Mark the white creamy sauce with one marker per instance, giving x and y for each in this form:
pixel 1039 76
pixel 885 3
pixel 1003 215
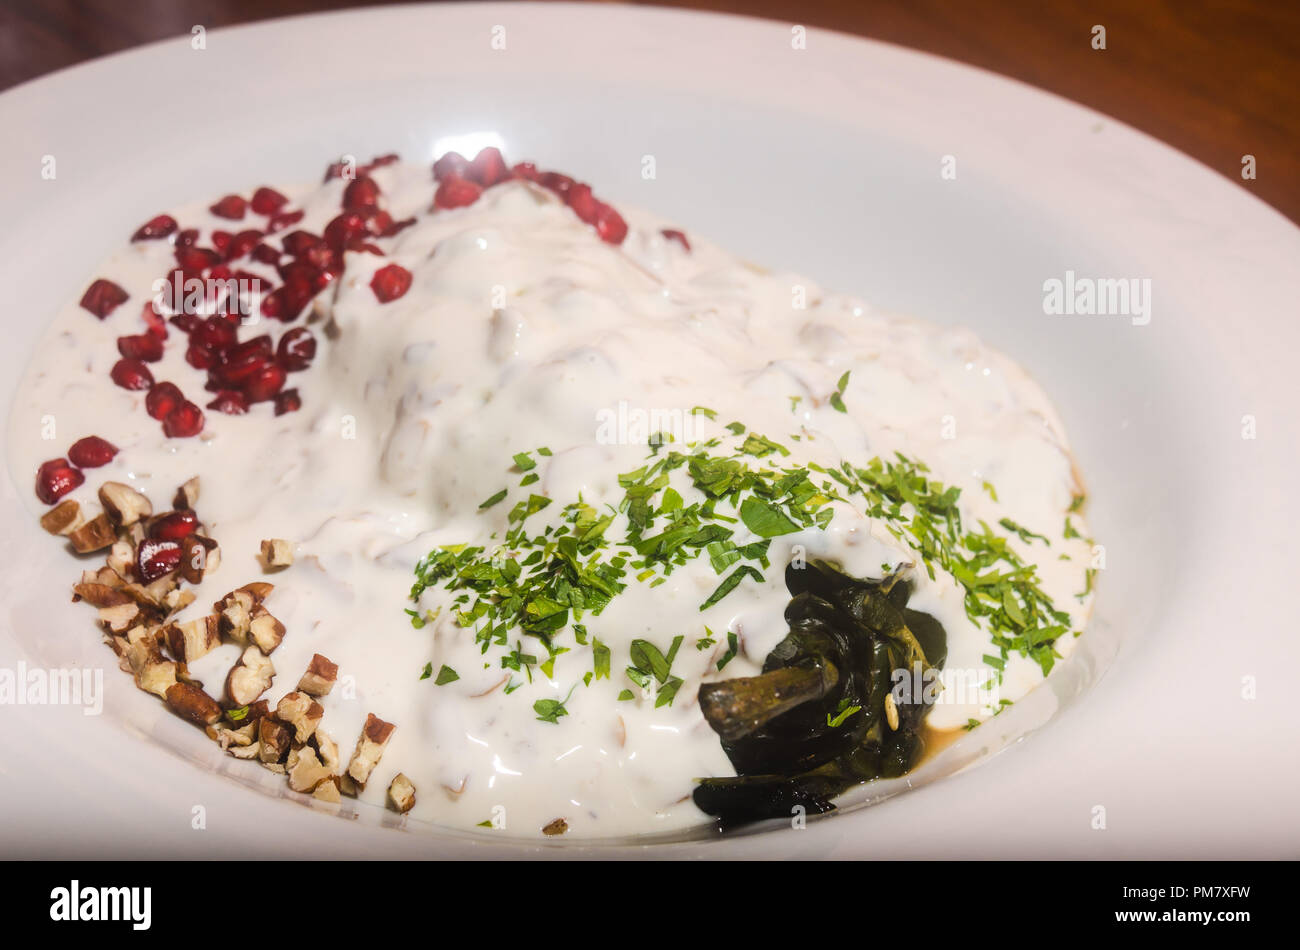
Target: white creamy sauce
pixel 520 328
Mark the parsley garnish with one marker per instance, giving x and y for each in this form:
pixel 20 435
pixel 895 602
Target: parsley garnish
pixel 550 710
pixel 550 571
pixel 837 397
pixel 600 659
pixel 733 644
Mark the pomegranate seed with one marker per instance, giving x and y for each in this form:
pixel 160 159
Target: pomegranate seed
pixel 266 254
pixel 174 525
pixel 183 421
pixel 610 225
pixel 56 478
pixel 488 167
pixel 264 383
pixel 302 283
pixel 296 350
pixel 672 234
pixel 215 333
pixel 103 297
pixel 195 260
pixel 153 321
pixel 380 221
pixel 380 161
pixel 287 401
pixel 231 207
pixel 162 399
pixel 242 243
pixel 91 452
pixel 345 228
pixel 303 279
pixel 221 241
pixel 526 171
pixel 237 371
pixel 273 306
pixel 390 282
pixel 156 557
pixel 297 243
pixel 397 227
pixel 456 192
pixel 258 346
pixel 267 200
pixel 146 347
pixel 324 260
pixel 131 374
pixel 560 184
pixel 231 402
pixel 450 165
pixel 155 228
pixel 186 322
pixel 283 219
pixel 361 193
pixel 583 203
pixel 200 357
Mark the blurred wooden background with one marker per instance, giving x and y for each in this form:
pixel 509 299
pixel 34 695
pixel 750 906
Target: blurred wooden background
pixel 1217 79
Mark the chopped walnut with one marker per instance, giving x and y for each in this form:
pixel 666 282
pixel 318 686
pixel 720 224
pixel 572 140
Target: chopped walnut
pixel 250 677
pixel 307 771
pixel 320 676
pixel 277 553
pixel 194 638
pixel 302 712
pixel 192 703
pixel 370 748
pixel 63 518
pixel 94 535
pixel 401 793
pixel 124 504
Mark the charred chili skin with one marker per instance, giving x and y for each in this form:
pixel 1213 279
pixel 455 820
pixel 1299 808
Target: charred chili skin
pixel 865 631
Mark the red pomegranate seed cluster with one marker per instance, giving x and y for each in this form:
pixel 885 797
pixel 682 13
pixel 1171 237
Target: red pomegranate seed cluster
pixel 240 373
pixel 461 182
pixel 57 477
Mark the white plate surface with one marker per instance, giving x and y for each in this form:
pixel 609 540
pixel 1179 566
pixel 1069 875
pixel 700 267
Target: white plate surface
pixel 824 160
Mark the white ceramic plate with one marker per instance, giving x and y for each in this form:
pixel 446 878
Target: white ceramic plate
pixel 826 160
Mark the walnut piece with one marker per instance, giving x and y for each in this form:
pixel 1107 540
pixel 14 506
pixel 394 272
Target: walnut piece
pixel 302 712
pixel 194 638
pixel 63 518
pixel 274 737
pixel 124 504
pixel 277 553
pixel 320 676
pixel 401 793
pixel 250 677
pixel 187 495
pixel 95 535
pixel 190 702
pixel 308 771
pixel 264 630
pixel 370 748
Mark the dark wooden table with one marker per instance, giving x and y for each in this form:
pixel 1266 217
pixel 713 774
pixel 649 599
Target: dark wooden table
pixel 1218 79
